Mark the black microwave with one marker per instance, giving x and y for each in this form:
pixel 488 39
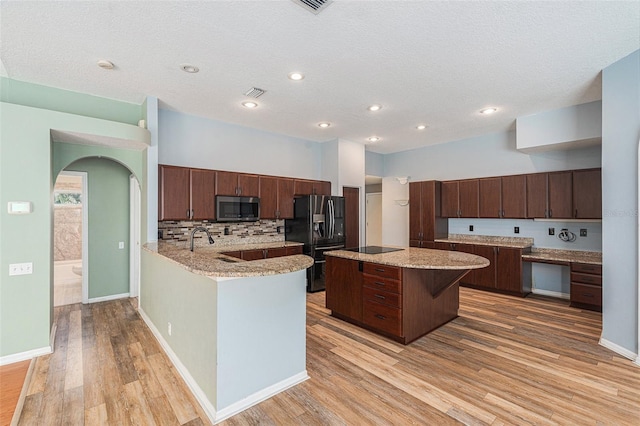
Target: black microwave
pixel 237 209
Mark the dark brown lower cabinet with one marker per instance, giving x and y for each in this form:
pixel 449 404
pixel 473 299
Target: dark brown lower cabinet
pixel 586 286
pixel 506 273
pixel 400 303
pixel 257 254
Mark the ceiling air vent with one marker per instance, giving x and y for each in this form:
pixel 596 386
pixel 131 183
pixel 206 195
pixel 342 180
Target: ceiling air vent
pixel 314 6
pixel 254 92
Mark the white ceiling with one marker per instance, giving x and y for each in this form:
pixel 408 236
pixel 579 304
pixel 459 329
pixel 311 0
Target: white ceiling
pixel 428 62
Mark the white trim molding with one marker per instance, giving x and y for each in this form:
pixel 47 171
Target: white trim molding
pixel 107 298
pixel 26 355
pixel 260 396
pixel 202 399
pixel 233 409
pixel 550 293
pixel 618 349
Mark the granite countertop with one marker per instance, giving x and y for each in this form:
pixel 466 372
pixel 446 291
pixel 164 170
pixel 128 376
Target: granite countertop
pixel 563 256
pixel 483 240
pixel 418 258
pixel 210 260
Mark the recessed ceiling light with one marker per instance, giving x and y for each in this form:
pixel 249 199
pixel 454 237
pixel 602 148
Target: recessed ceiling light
pixel 249 104
pixel 373 139
pixel 324 125
pixel 107 65
pixel 488 111
pixel 375 107
pixel 421 126
pixel 192 69
pixel 296 76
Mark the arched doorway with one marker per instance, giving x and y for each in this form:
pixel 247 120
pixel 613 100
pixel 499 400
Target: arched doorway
pixel 111 241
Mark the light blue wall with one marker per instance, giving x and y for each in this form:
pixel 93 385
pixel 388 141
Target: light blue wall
pixel 373 163
pixel 487 155
pixel 190 141
pixel 620 135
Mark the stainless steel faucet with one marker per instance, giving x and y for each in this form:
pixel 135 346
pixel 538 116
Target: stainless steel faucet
pixel 196 229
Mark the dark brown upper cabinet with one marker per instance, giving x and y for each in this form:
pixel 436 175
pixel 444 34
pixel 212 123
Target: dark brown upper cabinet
pixel 185 194
pixel 560 195
pixel 537 195
pixel 460 198
pixel 514 196
pixel 449 198
pixel 312 187
pixel 490 197
pixel 240 184
pixel 587 194
pixel 276 198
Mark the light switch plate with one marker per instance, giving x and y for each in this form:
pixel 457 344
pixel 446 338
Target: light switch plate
pixel 121 245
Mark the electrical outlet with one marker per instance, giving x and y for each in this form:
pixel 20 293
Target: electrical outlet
pixel 471 228
pixel 121 245
pixel 583 232
pixel 226 230
pixel 169 328
pixel 516 229
pixel 552 231
pixel 21 268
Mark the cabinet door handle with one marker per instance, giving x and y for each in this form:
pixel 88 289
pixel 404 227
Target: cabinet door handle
pixel 379 269
pixel 379 296
pixel 382 317
pixel 550 213
pixel 187 213
pixel 576 213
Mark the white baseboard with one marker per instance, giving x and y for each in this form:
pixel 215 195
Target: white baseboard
pixel 23 356
pixel 107 298
pixel 619 349
pixel 260 396
pixel 550 293
pixel 204 402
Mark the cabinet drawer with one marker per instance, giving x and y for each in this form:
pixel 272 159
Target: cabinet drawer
pixel 294 250
pixel 382 297
pixel 382 317
pixel 379 283
pixel 586 279
pixel 382 270
pixel 586 268
pixel 588 294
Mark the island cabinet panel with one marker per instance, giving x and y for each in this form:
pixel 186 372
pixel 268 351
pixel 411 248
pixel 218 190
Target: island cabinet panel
pixel 344 288
pixel 468 198
pixel 560 195
pixel 173 193
pixel 514 197
pixel 587 194
pixel 203 194
pixel 425 220
pixel 485 277
pixel 537 195
pixel 490 197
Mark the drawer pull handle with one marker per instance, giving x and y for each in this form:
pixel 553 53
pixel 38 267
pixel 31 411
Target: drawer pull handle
pixel 379 283
pixel 379 296
pixel 379 270
pixel 587 294
pixel 382 317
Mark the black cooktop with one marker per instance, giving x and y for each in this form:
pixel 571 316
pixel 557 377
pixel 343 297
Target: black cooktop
pixel 374 249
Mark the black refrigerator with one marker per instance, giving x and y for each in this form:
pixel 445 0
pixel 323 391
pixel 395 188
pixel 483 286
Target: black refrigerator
pixel 318 223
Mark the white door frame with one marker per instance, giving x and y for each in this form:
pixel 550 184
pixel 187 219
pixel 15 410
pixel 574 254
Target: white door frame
pixel 85 231
pixel 134 237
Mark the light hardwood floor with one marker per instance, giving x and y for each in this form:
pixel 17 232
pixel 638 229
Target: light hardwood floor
pixel 505 360
pixel 12 377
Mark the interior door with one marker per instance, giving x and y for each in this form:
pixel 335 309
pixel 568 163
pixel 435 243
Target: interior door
pixel 373 213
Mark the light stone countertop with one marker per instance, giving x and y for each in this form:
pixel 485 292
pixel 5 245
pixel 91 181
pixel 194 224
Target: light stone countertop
pixel 418 258
pixel 484 240
pixel 210 261
pixel 563 256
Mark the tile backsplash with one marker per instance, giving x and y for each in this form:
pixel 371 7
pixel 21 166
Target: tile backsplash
pixel 262 231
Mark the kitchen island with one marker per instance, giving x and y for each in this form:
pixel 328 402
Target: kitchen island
pixel 234 329
pixel 403 294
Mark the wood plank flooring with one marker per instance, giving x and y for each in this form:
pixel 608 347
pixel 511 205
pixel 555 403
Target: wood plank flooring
pixel 12 378
pixel 504 361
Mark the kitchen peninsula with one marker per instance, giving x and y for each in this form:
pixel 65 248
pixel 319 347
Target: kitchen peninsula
pixel 235 329
pixel 402 294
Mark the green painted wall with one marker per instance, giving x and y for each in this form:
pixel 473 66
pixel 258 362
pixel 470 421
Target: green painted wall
pixel 26 174
pixel 108 224
pixel 54 99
